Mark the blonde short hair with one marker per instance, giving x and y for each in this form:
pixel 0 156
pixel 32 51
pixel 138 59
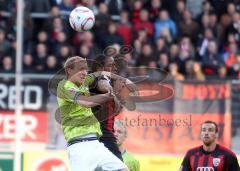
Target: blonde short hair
pixel 71 61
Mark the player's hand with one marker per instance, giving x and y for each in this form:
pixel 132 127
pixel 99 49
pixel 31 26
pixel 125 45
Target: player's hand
pixel 104 86
pixel 110 93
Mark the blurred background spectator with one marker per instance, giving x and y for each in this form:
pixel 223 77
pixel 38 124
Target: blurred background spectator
pixel 189 39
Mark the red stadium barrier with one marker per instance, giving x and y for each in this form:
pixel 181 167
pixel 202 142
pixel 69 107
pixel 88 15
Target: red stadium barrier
pixel 34 127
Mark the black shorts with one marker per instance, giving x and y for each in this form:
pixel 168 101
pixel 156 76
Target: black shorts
pixel 111 144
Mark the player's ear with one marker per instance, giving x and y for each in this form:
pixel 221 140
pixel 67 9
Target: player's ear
pixel 217 135
pixel 68 71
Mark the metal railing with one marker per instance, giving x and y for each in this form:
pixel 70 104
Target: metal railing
pixel 47 15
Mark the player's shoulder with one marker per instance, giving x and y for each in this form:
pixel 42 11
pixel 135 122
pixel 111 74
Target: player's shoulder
pixel 61 85
pixel 226 151
pixel 194 150
pixel 129 156
pixel 65 83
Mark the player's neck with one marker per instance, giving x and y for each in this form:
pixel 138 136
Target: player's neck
pixel 76 83
pixel 209 148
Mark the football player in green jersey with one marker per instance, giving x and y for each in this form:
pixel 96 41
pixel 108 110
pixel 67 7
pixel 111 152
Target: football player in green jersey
pixel 121 134
pixel 80 127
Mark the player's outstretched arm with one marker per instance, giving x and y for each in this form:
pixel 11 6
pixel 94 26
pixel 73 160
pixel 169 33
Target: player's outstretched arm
pixel 104 86
pixel 92 101
pixel 121 80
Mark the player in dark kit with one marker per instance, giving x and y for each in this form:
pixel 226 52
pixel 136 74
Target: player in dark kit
pixel 210 156
pixel 106 113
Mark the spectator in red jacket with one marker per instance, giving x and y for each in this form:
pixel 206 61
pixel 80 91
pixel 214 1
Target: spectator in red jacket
pixel 136 11
pixel 124 28
pixel 144 23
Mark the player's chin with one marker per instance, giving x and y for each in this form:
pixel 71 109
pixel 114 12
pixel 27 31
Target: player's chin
pixel 207 142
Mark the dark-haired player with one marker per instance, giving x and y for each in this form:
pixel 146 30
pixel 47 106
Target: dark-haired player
pixel 210 156
pixel 107 112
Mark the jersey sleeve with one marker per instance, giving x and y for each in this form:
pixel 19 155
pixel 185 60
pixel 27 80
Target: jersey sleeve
pixel 185 166
pixel 233 163
pixel 68 92
pixel 89 79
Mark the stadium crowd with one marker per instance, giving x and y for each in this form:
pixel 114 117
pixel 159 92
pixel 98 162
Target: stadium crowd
pixel 191 39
